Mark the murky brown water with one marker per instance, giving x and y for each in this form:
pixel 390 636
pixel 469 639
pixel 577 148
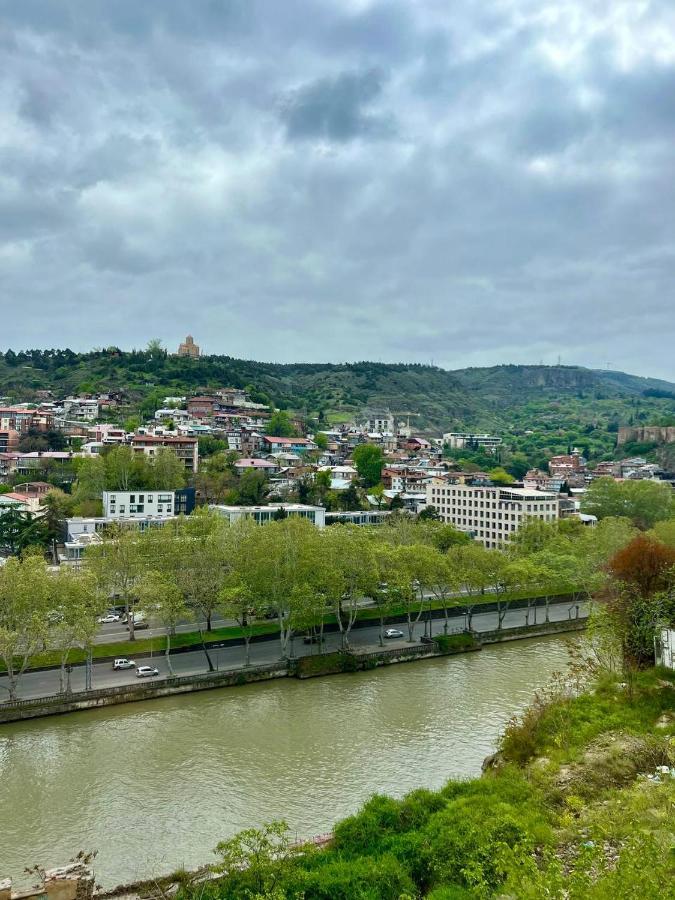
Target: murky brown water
pixel 156 785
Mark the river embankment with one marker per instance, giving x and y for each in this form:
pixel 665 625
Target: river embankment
pixel 302 667
pixel 154 786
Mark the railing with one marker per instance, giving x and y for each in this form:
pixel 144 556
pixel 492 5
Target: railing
pixel 142 685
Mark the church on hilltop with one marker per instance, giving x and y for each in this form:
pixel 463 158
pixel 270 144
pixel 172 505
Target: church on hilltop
pixel 189 348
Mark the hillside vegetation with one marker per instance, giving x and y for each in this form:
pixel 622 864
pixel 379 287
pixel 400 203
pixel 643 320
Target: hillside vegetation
pixel 500 397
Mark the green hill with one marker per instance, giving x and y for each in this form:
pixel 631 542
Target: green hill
pixel 506 398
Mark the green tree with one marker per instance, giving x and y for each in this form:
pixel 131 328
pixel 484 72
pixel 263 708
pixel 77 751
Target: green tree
pixel 162 597
pixel 321 440
pixel 280 425
pixel 167 472
pixel 25 597
pixel 499 475
pixel 369 462
pixel 264 855
pixel 117 565
pixel 20 530
pixel 643 502
pixel 75 607
pixel 91 479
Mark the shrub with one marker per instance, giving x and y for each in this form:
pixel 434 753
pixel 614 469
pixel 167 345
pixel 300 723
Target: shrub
pixel 366 878
pixel 450 643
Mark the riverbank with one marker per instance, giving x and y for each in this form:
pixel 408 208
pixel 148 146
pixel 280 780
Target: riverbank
pixel 232 636
pixel 305 667
pixel 153 786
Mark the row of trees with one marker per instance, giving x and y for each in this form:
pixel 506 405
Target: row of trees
pixel 198 566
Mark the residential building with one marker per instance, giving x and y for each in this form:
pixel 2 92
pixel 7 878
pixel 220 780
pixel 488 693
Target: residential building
pixel 83 409
pixel 9 440
pixel 490 513
pixel 263 514
pixel 185 448
pixel 295 445
pixel 567 464
pixel 378 421
pixel 358 517
pixel 258 465
pixel 189 348
pixel 461 440
pixel 23 418
pixel 126 505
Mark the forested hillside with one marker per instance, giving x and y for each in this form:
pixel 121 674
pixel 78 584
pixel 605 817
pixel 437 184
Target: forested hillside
pixel 498 398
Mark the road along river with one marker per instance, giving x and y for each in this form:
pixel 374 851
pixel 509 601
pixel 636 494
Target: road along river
pixel 155 785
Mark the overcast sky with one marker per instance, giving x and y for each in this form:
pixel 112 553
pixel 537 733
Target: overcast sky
pixel 467 182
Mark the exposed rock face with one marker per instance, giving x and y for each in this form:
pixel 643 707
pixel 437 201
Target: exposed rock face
pixel 647 434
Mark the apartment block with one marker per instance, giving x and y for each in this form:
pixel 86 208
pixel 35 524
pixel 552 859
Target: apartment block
pixel 185 448
pixel 490 513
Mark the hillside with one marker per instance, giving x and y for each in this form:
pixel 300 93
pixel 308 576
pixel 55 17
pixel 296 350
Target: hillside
pixel 498 397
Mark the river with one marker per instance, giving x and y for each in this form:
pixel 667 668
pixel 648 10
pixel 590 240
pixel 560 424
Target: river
pixel 156 785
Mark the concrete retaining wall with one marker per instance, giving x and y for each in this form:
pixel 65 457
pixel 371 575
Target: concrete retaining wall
pixel 133 693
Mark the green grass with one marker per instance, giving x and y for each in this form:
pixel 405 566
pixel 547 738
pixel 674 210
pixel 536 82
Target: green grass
pixel 194 639
pixel 508 833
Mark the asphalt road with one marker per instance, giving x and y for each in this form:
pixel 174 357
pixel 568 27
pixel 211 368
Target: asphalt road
pixel 42 684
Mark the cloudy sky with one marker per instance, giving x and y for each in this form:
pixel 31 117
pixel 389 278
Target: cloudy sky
pixel 464 182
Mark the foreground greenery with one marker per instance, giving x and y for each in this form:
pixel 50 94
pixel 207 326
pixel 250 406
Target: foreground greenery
pixel 566 813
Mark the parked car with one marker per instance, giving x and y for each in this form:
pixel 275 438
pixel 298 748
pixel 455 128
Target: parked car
pixel 108 619
pixel 393 633
pixel 138 625
pixel 146 672
pixel 124 663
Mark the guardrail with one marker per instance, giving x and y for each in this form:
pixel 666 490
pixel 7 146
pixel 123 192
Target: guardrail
pixel 141 686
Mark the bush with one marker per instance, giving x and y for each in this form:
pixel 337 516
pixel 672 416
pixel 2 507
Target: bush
pixel 366 878
pixel 451 643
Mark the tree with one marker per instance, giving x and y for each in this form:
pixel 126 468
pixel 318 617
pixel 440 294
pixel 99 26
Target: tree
pixel 280 425
pixel 20 530
pixel 91 479
pixel 161 595
pixel 321 440
pixel 429 513
pixel 407 579
pixel 252 488
pixel 56 508
pixel 116 565
pixel 445 536
pixel 640 596
pixel 349 573
pixel 643 502
pixel 167 472
pixel 499 475
pixel 369 461
pixel 75 607
pixel 123 468
pixel 264 856
pixel 25 596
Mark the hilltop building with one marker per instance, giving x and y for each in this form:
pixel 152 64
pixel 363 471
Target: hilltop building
pixel 189 348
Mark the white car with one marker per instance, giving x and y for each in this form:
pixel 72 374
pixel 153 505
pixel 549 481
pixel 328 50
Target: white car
pixel 124 663
pixel 146 672
pixel 393 633
pixel 107 620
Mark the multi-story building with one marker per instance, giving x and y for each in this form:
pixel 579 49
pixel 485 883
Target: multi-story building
pixel 460 440
pixel 566 464
pixel 82 409
pixel 125 505
pixel 21 418
pixel 263 514
pixel 185 448
pixel 490 513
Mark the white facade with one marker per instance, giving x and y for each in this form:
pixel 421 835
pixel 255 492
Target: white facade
pixel 263 514
pixel 491 513
pixel 138 505
pixel 458 440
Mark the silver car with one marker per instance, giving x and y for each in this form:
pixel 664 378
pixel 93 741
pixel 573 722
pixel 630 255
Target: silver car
pixel 393 633
pixel 146 672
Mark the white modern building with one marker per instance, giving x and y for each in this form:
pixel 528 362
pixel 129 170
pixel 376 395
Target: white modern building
pixel 263 514
pixel 490 513
pixel 119 505
pixel 460 440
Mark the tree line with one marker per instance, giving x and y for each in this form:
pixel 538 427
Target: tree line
pixel 195 567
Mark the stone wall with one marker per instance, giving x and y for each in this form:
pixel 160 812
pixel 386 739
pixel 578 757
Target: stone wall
pixel 647 434
pixel 72 882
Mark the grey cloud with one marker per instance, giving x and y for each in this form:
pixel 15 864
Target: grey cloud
pixel 338 179
pixel 336 109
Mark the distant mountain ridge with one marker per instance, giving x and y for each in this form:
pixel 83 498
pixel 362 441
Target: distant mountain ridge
pixel 471 398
